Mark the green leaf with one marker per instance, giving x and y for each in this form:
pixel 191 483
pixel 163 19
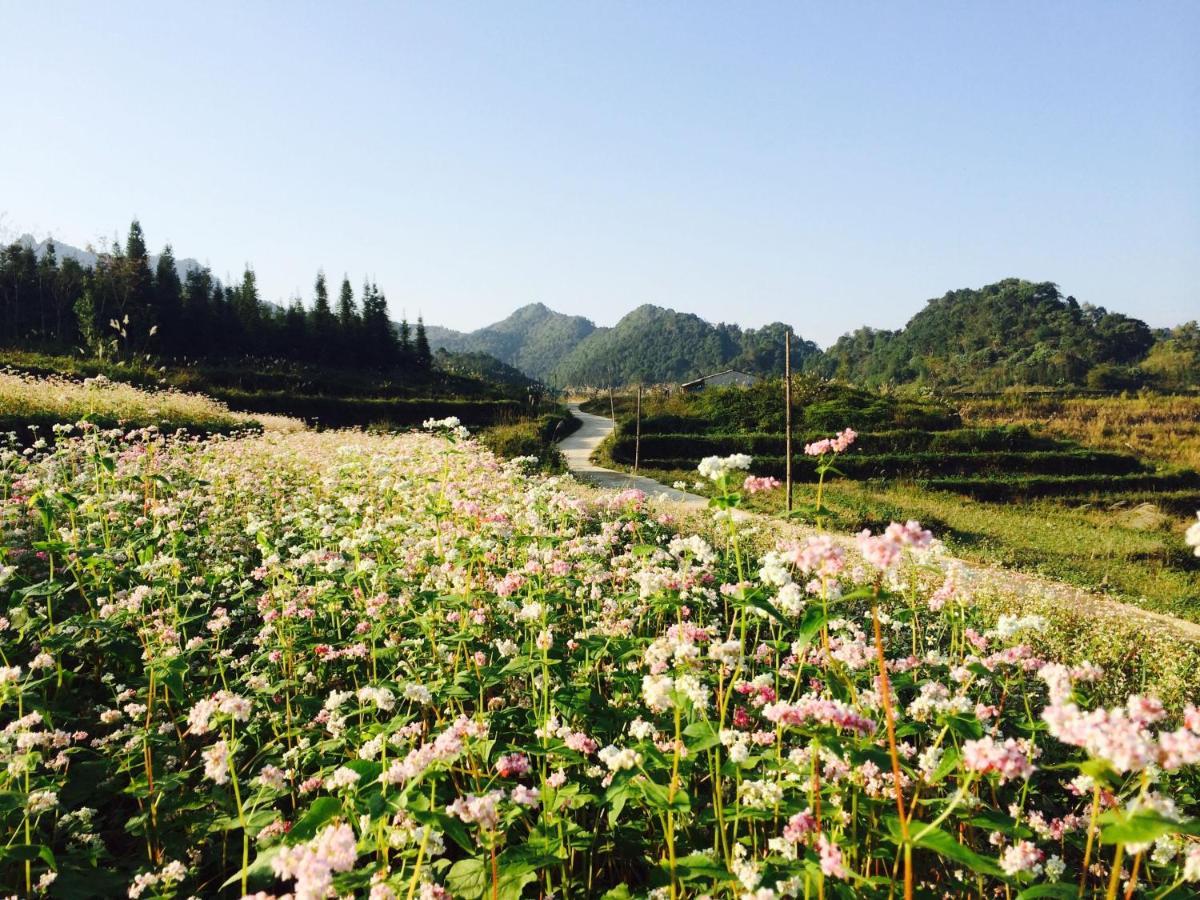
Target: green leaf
pixel 1048 890
pixel 1140 827
pixel 814 619
pixel 967 727
pixel 658 797
pixel 259 869
pixel 948 764
pixel 469 878
pixel 28 853
pixel 697 866
pixel 703 735
pixel 766 606
pixel 943 844
pixel 322 810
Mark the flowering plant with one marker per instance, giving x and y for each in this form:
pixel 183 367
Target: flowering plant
pixel 319 665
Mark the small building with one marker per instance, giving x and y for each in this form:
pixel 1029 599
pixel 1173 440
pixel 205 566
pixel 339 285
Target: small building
pixel 721 379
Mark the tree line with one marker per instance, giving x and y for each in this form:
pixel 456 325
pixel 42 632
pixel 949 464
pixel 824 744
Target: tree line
pixel 123 306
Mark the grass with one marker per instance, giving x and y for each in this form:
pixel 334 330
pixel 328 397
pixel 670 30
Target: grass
pixel 1165 428
pixel 26 400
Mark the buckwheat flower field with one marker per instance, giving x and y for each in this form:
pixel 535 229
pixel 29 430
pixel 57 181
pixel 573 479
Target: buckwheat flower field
pixel 339 664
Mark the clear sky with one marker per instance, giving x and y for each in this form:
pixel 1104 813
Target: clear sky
pixel 826 164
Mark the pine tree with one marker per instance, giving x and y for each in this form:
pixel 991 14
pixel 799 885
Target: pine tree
pixel 379 340
pixel 168 302
pixel 139 290
pixel 421 351
pixel 405 348
pixel 349 323
pixel 247 310
pixel 198 312
pixel 347 311
pixel 322 324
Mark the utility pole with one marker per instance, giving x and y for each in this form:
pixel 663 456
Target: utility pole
pixel 612 406
pixel 637 440
pixel 787 414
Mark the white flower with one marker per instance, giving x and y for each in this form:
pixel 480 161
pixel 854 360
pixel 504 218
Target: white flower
pixel 342 776
pixel 656 691
pixel 216 762
pixel 1193 535
pixel 617 758
pixel 714 468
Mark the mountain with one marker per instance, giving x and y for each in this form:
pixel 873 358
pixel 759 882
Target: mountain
pixel 1013 332
pixel 652 345
pixel 533 339
pixel 87 258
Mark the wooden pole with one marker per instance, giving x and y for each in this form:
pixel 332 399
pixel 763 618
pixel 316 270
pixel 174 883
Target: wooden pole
pixel 637 440
pixel 787 415
pixel 612 406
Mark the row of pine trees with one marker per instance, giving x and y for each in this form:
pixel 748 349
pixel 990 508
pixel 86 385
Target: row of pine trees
pixel 123 307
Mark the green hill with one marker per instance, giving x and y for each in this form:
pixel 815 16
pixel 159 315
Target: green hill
pixel 1013 332
pixel 533 339
pixel 653 345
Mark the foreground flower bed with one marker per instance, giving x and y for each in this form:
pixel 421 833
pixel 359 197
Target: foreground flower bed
pixel 340 664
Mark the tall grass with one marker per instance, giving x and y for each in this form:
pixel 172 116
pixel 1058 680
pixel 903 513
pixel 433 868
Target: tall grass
pixel 27 400
pixel 1159 427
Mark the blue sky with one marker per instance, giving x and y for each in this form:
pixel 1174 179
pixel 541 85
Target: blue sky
pixel 830 165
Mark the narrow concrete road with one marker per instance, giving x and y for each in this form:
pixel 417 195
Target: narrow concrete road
pixel 578 449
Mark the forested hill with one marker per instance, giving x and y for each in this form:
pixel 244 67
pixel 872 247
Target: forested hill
pixel 654 345
pixel 1013 332
pixel 650 345
pixel 534 339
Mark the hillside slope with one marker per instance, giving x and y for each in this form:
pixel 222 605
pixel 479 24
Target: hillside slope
pixel 1013 332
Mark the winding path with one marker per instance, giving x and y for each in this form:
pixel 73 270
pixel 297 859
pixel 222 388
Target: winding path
pixel 579 447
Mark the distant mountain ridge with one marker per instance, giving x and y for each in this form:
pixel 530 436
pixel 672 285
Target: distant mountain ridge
pixel 534 339
pixel 651 344
pixel 1010 333
pixel 87 258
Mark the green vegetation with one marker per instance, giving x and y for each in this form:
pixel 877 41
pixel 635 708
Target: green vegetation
pixel 652 345
pixel 649 345
pixel 1011 332
pixel 997 491
pixel 534 339
pixel 533 437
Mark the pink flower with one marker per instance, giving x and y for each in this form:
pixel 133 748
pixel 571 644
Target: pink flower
pixel 524 796
pixel 831 858
pixel 479 810
pixel 1022 856
pixel 513 766
pixel 818 556
pixel 884 551
pixel 312 865
pixel 754 485
pixel 798 826
pixel 815 709
pixel 1009 760
pixel 837 444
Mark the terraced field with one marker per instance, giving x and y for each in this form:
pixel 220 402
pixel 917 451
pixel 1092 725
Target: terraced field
pixel 1010 494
